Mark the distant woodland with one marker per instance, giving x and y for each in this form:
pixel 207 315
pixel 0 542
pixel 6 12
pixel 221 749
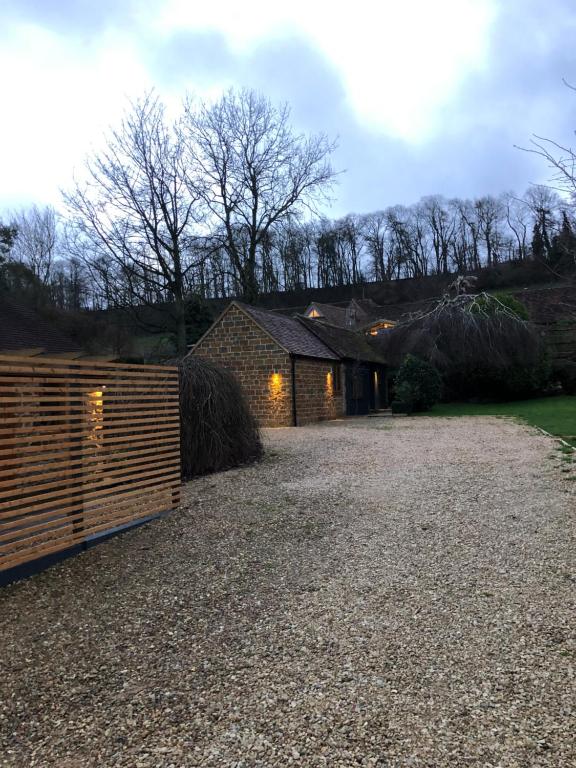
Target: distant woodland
pixel 227 200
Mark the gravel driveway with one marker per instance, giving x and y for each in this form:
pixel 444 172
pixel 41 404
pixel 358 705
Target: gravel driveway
pixel 377 592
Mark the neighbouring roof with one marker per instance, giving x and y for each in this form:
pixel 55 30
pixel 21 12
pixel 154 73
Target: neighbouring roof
pixel 289 333
pixel 356 313
pixel 348 344
pixel 370 311
pixel 400 312
pixel 330 312
pixel 21 328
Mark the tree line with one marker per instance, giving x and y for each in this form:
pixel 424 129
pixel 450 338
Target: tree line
pixel 226 200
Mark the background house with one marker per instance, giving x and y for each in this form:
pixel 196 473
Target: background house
pixel 357 314
pixel 294 370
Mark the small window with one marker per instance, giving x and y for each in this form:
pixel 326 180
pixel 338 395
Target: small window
pixel 381 327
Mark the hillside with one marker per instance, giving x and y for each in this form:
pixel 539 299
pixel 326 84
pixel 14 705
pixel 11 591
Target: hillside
pixel 144 332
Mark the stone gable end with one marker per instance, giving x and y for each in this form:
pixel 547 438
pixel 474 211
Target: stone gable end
pixel 261 366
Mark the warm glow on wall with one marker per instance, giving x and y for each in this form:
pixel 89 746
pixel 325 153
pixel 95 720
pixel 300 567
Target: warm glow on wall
pixel 275 384
pixel 96 405
pixel 276 394
pixel 329 384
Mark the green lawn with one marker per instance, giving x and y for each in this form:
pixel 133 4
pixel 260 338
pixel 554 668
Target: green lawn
pixel 556 415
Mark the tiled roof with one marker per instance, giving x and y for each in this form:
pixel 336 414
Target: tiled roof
pixel 331 313
pixel 396 312
pixel 289 333
pixel 349 345
pixel 22 328
pixel 356 313
pixel 371 312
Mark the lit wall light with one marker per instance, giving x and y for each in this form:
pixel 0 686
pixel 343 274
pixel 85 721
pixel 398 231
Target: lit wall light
pixel 275 384
pixel 96 406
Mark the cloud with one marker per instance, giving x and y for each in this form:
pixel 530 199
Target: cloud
pixel 397 62
pixel 470 153
pixel 82 17
pixel 401 134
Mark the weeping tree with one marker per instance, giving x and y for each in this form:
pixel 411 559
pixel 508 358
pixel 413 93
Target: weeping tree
pixel 482 344
pixel 217 429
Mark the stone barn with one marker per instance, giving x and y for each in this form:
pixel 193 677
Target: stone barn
pixel 292 370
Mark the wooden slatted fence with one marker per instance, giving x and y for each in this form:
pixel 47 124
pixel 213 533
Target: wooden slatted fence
pixel 85 448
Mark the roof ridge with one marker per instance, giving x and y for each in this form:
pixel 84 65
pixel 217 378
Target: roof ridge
pixel 289 333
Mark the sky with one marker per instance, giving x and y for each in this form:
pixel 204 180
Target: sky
pixel 423 97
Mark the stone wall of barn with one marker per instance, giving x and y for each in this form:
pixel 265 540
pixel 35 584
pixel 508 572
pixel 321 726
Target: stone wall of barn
pixel 319 390
pixel 264 371
pixel 261 366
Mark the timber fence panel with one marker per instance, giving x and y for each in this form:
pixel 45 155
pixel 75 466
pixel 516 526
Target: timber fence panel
pixel 85 448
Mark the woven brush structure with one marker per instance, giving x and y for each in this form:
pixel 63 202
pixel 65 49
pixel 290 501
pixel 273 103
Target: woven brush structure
pixel 217 429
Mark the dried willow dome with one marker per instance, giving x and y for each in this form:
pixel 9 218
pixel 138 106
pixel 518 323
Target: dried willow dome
pixel 217 429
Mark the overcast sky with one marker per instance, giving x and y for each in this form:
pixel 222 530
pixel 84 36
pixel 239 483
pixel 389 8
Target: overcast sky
pixel 424 97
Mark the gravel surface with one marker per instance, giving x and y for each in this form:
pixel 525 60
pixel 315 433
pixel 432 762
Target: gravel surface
pixel 378 592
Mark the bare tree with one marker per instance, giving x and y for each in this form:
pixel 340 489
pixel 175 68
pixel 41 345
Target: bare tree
pixel 518 220
pixel 254 172
pixel 489 212
pixel 375 232
pixel 36 240
pixel 561 159
pixel 544 204
pixel 137 210
pixel 441 225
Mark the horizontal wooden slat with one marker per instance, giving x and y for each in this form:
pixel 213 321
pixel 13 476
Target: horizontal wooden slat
pixel 131 441
pixel 64 385
pixel 78 363
pixel 107 434
pixel 82 397
pixel 85 415
pixel 84 421
pixel 57 369
pixel 11 528
pixel 74 464
pixel 68 541
pixel 61 405
pixel 73 495
pixel 61 471
pixel 51 462
pixel 85 512
pixel 84 523
pixel 80 476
